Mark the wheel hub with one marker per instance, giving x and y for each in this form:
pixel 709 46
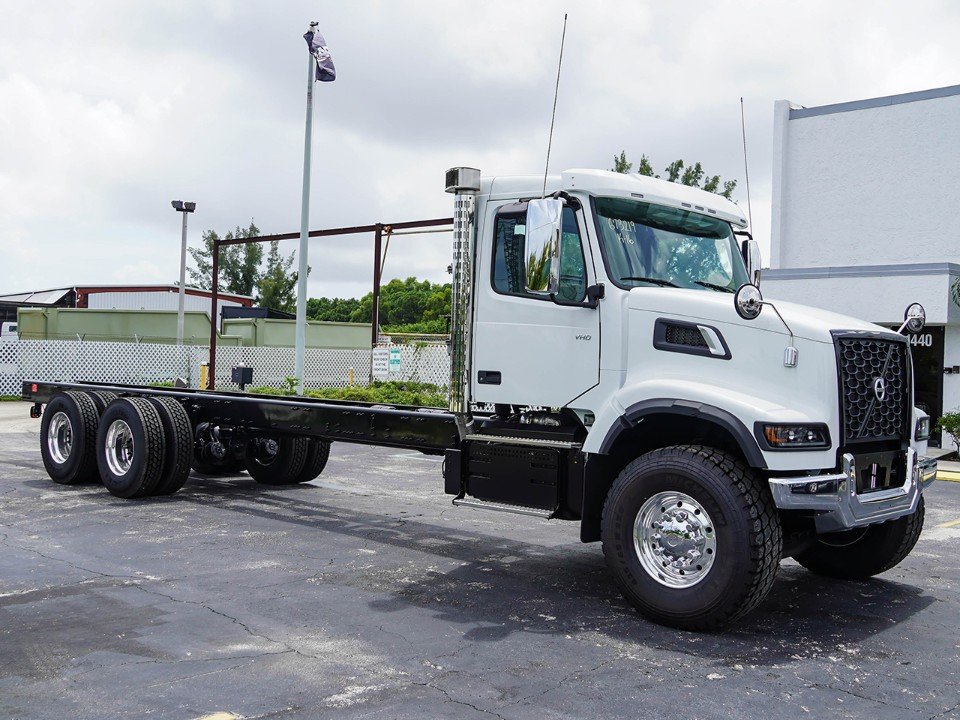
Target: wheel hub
pixel 60 438
pixel 118 448
pixel 674 539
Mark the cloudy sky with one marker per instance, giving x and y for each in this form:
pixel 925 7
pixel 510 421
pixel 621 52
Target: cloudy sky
pixel 109 110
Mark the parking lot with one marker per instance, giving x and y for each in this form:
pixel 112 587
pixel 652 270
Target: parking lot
pixel 365 594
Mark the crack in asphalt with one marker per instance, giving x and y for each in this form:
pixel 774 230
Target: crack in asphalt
pixel 946 712
pixel 861 696
pixel 449 698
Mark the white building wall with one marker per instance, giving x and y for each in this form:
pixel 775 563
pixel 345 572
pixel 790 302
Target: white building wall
pixel 877 299
pixel 951 383
pixel 872 185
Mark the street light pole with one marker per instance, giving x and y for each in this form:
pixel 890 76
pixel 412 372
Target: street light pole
pixel 184 208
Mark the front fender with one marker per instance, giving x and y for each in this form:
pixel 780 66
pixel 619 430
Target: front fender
pixel 735 411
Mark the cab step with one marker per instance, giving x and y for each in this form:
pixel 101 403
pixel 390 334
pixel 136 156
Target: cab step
pixel 530 442
pixel 502 507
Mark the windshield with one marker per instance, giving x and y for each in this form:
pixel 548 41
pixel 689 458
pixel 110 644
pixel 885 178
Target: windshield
pixel 645 244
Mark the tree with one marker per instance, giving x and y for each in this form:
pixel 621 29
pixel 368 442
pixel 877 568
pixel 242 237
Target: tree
pixel 408 305
pixel 331 309
pixel 239 265
pixel 951 423
pixel 679 172
pixel 620 163
pixel 276 286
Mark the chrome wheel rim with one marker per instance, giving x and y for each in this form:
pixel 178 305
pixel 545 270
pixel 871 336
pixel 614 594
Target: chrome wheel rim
pixel 674 539
pixel 118 449
pixel 60 438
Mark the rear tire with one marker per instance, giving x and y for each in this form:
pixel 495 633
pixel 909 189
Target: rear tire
pixel 102 398
pixel 68 438
pixel 318 451
pixel 178 448
pixel 861 554
pixel 281 468
pixel 692 537
pixel 130 447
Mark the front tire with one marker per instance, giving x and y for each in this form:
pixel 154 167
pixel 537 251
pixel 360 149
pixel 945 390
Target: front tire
pixel 861 554
pixel 692 537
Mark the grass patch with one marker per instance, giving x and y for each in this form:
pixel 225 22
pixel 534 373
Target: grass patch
pixel 9 398
pixel 390 392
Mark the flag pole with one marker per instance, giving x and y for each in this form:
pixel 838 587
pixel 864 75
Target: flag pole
pixel 301 334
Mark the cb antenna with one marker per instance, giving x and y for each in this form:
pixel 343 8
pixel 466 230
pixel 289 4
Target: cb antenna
pixel 556 91
pixel 746 170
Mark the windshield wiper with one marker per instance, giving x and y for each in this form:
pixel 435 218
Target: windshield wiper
pixel 714 286
pixel 656 281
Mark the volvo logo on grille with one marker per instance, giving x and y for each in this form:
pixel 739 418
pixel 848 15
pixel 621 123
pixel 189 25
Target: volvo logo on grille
pixel 880 389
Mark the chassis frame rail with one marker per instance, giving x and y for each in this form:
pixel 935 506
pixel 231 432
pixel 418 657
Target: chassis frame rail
pixel 427 429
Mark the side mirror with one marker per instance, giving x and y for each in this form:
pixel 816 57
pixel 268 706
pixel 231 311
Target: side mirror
pixel 750 250
pixel 914 318
pixel 542 246
pixel 748 301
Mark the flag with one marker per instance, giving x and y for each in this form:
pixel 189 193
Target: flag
pixel 321 53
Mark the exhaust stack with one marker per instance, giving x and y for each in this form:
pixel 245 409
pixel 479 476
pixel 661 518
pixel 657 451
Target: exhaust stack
pixel 464 183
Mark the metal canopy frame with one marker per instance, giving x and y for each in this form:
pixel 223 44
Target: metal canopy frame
pixel 378 230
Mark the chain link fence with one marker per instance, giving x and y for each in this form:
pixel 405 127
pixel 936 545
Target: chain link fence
pixel 149 364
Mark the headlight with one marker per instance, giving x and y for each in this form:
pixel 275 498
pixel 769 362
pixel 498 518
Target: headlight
pixel 793 437
pixel 922 431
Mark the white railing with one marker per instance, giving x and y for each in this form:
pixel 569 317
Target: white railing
pixel 148 363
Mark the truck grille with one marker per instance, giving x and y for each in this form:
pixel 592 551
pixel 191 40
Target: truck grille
pixel 874 386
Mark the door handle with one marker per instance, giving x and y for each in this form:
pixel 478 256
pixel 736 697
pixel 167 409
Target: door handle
pixel 488 377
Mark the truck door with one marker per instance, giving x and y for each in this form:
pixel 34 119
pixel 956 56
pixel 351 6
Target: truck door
pixel 529 350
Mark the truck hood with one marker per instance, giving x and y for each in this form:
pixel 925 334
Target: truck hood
pixel 717 307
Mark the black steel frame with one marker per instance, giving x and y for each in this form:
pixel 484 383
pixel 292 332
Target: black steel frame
pixel 378 230
pixel 425 429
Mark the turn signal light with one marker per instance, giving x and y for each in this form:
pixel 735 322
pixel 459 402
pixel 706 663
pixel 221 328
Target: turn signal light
pixel 806 437
pixel 923 428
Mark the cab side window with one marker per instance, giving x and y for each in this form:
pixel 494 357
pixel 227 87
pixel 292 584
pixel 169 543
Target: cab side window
pixel 508 258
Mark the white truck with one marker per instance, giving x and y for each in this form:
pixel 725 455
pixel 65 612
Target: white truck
pixel 612 362
pixel 8 332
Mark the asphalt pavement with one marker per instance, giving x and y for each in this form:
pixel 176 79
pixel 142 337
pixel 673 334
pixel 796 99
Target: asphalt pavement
pixel 366 594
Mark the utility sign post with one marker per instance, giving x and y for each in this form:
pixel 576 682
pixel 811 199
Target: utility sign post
pixel 319 67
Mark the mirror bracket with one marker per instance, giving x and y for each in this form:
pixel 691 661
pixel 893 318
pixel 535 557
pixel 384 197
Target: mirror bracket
pixel 595 294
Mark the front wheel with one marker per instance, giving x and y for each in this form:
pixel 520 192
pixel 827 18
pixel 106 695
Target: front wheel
pixel 862 553
pixel 692 537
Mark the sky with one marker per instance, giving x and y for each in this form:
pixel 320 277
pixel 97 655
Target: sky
pixel 109 110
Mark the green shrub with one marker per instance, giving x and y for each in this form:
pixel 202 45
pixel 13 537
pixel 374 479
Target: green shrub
pixel 391 392
pixel 950 422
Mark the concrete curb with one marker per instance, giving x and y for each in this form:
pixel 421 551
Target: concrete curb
pixel 948 475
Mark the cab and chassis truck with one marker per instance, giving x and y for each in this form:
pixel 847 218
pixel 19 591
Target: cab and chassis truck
pixel 611 364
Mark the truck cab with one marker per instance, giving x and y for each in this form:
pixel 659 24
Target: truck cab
pixel 627 372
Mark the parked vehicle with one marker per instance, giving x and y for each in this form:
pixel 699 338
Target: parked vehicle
pixel 8 331
pixel 613 362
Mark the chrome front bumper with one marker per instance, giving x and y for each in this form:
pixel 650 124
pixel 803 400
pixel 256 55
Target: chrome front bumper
pixel 838 506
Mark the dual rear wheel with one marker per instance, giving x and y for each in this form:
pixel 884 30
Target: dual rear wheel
pixel 139 447
pixel 286 460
